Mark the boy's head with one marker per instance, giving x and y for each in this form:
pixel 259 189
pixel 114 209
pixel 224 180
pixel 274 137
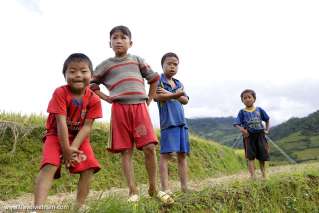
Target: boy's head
pixel 120 37
pixel 123 29
pixel 169 64
pixel 248 97
pixel 78 70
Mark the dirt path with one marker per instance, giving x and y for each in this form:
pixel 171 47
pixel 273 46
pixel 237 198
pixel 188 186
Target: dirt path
pixel 67 198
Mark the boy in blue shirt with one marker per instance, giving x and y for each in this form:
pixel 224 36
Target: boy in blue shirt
pixel 250 123
pixel 170 99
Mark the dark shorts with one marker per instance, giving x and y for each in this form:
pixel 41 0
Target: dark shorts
pixel 256 146
pixel 174 139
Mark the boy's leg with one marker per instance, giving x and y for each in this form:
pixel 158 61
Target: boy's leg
pixel 182 170
pixel 83 187
pixel 127 166
pixel 262 168
pixel 44 183
pixel 164 171
pixel 251 168
pixel 150 164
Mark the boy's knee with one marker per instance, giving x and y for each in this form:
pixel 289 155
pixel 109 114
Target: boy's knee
pixel 87 173
pixel 181 156
pixel 49 168
pixel 149 149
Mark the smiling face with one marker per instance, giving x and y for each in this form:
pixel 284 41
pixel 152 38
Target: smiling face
pixel 248 99
pixel 120 43
pixel 78 76
pixel 170 66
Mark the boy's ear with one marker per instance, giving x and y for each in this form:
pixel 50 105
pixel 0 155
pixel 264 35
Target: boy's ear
pixel 110 44
pixel 131 43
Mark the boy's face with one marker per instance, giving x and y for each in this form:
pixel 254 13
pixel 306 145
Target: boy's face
pixel 170 66
pixel 120 43
pixel 78 76
pixel 248 99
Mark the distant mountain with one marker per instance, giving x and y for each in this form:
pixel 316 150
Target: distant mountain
pixel 298 137
pixel 307 126
pixel 218 129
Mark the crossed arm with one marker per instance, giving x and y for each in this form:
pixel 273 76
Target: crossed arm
pixel 164 95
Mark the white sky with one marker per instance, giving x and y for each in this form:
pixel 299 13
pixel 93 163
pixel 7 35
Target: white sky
pixel 224 47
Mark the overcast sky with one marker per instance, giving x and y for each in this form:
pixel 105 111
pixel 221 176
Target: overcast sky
pixel 224 48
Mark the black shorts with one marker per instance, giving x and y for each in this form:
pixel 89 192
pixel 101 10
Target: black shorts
pixel 256 146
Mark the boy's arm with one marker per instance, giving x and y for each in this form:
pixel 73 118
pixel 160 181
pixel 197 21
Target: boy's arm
pixel 96 81
pixel 83 133
pixel 242 130
pixel 183 99
pixel 164 95
pixel 63 135
pixel 151 92
pixel 103 96
pixel 267 127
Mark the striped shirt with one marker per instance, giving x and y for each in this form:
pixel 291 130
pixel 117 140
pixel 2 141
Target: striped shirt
pixel 124 78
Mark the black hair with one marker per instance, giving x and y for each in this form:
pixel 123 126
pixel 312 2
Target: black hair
pixel 125 30
pixel 167 55
pixel 78 57
pixel 252 92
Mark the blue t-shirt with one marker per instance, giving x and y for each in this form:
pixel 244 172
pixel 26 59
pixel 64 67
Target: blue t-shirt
pixel 252 121
pixel 171 112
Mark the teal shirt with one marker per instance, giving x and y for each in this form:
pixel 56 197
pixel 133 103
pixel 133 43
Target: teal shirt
pixel 171 112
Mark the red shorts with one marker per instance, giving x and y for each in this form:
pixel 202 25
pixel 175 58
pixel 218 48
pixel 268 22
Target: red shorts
pixel 51 154
pixel 130 123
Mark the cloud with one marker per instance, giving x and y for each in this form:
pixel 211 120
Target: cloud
pixel 295 99
pixel 223 48
pixel 32 5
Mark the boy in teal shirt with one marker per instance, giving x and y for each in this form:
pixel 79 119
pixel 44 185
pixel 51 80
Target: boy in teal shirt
pixel 174 130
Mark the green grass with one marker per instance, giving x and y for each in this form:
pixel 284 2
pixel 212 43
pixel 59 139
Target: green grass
pixel 296 192
pixel 298 146
pixel 20 168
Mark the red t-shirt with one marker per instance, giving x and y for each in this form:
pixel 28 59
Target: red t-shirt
pixel 75 110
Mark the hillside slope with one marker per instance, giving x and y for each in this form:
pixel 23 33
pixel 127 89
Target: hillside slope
pixel 298 137
pixel 290 188
pixel 206 159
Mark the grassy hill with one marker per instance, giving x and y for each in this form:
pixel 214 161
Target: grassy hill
pixel 294 190
pixel 20 153
pixel 298 137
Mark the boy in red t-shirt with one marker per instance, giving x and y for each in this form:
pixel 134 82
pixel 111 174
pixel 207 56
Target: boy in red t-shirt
pixel 72 110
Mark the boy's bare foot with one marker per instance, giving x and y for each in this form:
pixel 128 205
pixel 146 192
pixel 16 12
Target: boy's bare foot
pixel 133 198
pixel 152 191
pixel 133 191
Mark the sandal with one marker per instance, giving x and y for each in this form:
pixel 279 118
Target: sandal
pixel 165 198
pixel 169 192
pixel 133 198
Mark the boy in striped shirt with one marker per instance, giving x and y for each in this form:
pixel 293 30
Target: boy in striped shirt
pixel 123 75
